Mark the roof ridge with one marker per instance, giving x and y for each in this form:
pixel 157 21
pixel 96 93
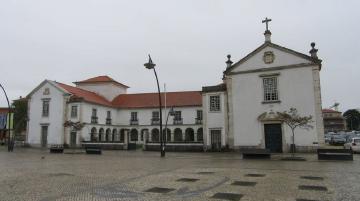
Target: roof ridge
pixel 160 92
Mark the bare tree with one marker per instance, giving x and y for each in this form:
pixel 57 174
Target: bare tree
pixel 294 120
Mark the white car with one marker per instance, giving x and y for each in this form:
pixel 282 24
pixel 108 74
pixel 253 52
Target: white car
pixel 354 145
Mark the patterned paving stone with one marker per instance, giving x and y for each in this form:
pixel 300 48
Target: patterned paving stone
pixel 206 172
pixel 243 183
pixel 313 188
pixel 159 190
pixel 188 180
pixel 227 196
pixel 300 199
pixel 255 175
pixel 312 178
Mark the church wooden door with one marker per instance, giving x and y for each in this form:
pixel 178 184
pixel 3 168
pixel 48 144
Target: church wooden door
pixel 273 137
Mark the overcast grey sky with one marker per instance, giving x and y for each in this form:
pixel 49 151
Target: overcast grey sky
pixel 71 40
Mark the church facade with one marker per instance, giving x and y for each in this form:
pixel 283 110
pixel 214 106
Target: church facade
pixel 239 113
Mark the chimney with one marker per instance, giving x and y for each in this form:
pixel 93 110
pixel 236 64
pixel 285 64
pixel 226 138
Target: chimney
pixel 313 51
pixel 228 62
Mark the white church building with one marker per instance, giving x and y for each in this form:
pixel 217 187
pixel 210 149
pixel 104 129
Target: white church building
pixel 239 113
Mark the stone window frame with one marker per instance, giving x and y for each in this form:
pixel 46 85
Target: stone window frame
pixel 177 115
pixel 218 104
pixel 275 89
pixel 45 107
pixel 134 116
pixel 155 115
pixel 74 111
pixel 199 114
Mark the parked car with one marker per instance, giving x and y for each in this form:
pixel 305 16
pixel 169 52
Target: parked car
pixel 354 145
pixel 337 140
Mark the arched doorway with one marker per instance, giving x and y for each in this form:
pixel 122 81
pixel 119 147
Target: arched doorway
pixel 178 135
pixel 200 136
pixel 189 135
pixel 144 136
pixel 155 135
pixel 115 136
pixel 93 137
pixel 108 135
pixel 167 134
pixel 133 135
pixel 101 135
pixel 122 135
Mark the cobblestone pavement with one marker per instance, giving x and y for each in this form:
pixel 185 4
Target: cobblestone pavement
pixel 33 174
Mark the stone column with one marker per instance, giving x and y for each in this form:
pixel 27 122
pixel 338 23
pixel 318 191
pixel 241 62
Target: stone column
pixel 195 137
pixel 149 134
pixel 172 137
pixel 183 136
pixel 126 139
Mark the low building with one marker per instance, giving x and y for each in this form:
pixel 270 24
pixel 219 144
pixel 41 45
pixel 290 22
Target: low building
pixel 333 121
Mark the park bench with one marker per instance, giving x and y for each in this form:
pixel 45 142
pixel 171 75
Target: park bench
pixel 335 154
pixel 93 149
pixel 56 148
pixel 256 154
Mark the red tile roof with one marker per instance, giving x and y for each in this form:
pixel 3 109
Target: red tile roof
pixel 143 100
pixel 329 111
pixel 4 110
pixel 101 79
pixel 87 96
pixel 151 100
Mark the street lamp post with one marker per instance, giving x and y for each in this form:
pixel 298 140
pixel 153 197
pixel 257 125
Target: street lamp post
pixel 8 120
pixel 151 65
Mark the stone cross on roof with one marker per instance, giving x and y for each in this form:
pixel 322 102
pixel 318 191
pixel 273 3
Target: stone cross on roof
pixel 266 21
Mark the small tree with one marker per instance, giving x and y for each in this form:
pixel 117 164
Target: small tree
pixel 20 115
pixel 352 117
pixel 294 120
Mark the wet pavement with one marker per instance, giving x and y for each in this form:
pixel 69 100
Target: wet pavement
pixel 33 174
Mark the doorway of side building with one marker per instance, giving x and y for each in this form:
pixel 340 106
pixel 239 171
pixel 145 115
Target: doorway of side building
pixel 73 139
pixel 44 135
pixel 273 137
pixel 215 139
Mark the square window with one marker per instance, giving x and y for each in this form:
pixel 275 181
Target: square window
pixel 155 115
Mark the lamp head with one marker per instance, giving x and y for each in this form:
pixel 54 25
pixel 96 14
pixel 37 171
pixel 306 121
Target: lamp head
pixel 149 64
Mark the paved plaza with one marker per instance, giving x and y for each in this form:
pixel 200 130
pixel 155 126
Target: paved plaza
pixel 33 174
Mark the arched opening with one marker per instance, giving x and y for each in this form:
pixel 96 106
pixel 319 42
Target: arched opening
pixel 167 134
pixel 101 135
pixel 133 135
pixel 189 135
pixel 122 135
pixel 108 135
pixel 155 135
pixel 144 137
pixel 115 136
pixel 177 135
pixel 200 136
pixel 93 137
